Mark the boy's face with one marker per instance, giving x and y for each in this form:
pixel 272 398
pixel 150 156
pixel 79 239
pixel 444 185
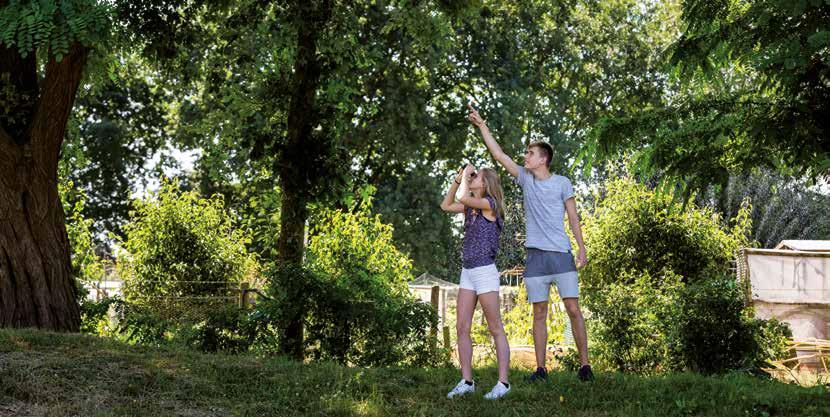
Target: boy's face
pixel 533 158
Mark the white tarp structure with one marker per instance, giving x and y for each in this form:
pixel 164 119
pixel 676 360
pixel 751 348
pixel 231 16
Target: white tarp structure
pixel 805 245
pixel 792 284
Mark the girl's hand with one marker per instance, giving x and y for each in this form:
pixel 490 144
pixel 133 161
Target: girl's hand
pixel 459 177
pixel 469 169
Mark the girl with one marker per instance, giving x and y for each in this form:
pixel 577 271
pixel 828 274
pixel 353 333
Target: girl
pixel 482 204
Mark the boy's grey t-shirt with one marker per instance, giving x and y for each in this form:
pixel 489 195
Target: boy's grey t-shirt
pixel 544 202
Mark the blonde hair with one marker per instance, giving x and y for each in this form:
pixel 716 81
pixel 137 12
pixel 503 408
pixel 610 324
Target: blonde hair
pixel 492 188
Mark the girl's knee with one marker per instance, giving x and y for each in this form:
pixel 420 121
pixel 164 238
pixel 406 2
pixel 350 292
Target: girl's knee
pixel 496 329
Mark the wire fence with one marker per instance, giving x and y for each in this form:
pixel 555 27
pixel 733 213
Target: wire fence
pixel 241 293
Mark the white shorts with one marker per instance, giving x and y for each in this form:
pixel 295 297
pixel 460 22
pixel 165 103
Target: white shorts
pixel 482 280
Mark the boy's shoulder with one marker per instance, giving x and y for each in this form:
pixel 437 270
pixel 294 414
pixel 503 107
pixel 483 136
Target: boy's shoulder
pixel 559 179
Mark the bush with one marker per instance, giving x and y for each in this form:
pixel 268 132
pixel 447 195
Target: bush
pixel 352 294
pixel 628 329
pixel 355 250
pixel 95 314
pixel 348 325
pixel 712 331
pixel 228 330
pixel 87 266
pixel 660 289
pixel 180 245
pixel 645 232
pixel 182 258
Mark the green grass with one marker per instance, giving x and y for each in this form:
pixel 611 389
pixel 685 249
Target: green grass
pixel 47 374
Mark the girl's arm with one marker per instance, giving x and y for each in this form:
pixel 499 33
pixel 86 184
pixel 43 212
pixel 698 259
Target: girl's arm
pixel 475 202
pixel 449 204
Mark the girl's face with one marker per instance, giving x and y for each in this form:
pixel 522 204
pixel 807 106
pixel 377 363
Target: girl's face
pixel 476 180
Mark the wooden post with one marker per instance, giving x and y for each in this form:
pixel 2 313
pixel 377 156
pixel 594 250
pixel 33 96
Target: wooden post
pixel 433 332
pixel 447 338
pixel 243 295
pixel 443 307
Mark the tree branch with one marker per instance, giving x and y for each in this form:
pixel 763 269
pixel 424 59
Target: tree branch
pixel 60 86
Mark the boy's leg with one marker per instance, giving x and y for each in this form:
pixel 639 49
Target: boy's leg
pixel 578 327
pixel 540 332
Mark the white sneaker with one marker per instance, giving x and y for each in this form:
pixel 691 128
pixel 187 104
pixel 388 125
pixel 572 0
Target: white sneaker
pixel 500 390
pixel 461 389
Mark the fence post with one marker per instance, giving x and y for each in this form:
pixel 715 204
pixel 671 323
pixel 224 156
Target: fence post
pixel 243 295
pixel 433 332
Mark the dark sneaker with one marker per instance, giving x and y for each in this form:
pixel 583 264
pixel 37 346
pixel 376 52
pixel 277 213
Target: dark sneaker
pixel 585 374
pixel 540 375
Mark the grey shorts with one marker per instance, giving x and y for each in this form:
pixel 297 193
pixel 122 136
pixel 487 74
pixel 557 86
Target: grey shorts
pixel 544 268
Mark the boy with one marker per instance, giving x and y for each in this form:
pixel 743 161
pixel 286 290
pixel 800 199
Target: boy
pixel 547 197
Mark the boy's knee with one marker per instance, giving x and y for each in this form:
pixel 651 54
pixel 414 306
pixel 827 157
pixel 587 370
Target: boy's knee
pixel 573 310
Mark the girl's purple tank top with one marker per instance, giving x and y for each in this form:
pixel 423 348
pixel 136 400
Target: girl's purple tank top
pixel 481 237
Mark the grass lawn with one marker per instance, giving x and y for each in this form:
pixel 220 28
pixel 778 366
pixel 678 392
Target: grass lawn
pixel 48 374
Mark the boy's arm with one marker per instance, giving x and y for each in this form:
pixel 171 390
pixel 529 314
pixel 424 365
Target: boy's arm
pixel 573 220
pixel 491 143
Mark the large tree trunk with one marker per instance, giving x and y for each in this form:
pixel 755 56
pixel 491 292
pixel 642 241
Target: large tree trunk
pixel 36 284
pixel 302 117
pixel 290 247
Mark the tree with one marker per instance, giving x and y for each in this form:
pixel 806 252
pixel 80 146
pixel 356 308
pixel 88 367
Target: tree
pixel 398 78
pixel 35 271
pixel 752 92
pixel 45 48
pixel 300 75
pixel 119 125
pixel 781 207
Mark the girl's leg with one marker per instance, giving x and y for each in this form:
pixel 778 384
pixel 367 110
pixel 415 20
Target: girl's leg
pixel 466 305
pixel 492 312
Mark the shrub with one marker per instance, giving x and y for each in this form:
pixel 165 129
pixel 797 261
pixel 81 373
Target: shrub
pixel 352 295
pixel 712 332
pixel 628 326
pixel 715 331
pixel 181 259
pixel 660 288
pixel 180 245
pixel 349 325
pixel 87 266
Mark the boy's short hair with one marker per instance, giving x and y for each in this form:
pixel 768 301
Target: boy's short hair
pixel 545 148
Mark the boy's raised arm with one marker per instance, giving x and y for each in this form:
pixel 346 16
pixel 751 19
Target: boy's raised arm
pixel 491 143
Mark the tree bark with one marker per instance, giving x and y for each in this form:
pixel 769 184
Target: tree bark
pixel 36 284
